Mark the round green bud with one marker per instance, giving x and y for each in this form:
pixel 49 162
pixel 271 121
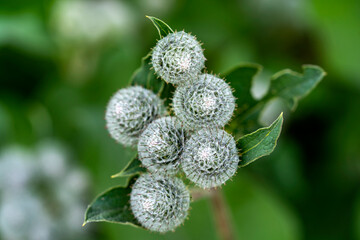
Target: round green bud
pixel 161 144
pixel 129 112
pixel 210 158
pixel 159 203
pixel 178 58
pixel 206 102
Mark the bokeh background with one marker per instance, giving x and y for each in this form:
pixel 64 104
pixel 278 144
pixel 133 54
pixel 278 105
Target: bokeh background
pixel 60 62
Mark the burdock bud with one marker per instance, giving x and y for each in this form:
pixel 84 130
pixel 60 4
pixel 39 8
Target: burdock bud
pixel 178 58
pixel 129 112
pixel 206 102
pixel 161 144
pixel 159 203
pixel 210 158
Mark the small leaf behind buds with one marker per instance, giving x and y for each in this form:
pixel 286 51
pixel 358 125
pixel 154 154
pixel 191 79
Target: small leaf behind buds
pixel 287 85
pixel 292 86
pixel 145 76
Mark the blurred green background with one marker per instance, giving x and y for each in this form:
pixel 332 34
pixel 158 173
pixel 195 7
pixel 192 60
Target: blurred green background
pixel 61 61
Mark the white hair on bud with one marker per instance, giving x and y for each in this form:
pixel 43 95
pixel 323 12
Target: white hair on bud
pixel 159 203
pixel 161 144
pixel 210 158
pixel 206 102
pixel 178 58
pixel 129 112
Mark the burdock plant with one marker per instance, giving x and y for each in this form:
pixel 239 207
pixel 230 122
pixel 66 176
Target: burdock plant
pixel 161 144
pixel 209 134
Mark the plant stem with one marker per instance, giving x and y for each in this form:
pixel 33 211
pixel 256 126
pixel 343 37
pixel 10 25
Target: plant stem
pixel 221 215
pixel 198 194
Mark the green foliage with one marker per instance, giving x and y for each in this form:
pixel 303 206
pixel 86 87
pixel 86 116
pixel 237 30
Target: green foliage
pixel 287 85
pixel 112 206
pixel 161 26
pixel 145 76
pixel 51 88
pixel 241 79
pixel 290 86
pixel 259 143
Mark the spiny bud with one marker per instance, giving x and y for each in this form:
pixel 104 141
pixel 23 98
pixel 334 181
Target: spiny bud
pixel 207 102
pixel 161 144
pixel 129 111
pixel 159 203
pixel 210 158
pixel 178 58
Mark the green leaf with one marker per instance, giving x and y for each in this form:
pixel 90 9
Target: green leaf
pixel 167 94
pixel 287 85
pixel 131 169
pixel 259 143
pixel 292 86
pixel 161 26
pixel 145 76
pixel 112 206
pixel 240 79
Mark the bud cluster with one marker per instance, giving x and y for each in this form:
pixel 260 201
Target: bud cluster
pixel 191 140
